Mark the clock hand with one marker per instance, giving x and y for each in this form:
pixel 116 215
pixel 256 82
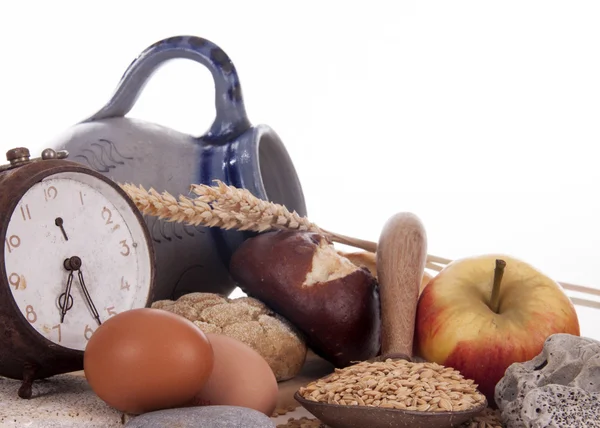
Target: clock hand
pixel 59 223
pixel 88 298
pixel 65 300
pixel 74 264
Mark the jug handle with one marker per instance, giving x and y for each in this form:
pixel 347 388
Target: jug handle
pixel 231 119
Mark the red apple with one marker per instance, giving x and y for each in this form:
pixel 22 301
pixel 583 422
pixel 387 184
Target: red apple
pixel 481 314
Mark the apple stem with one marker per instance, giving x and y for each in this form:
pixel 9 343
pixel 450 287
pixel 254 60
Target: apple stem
pixel 498 272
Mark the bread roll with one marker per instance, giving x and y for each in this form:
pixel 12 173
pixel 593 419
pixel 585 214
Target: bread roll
pixel 328 298
pixel 249 321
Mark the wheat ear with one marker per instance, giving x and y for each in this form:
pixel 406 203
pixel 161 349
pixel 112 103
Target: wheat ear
pixel 220 206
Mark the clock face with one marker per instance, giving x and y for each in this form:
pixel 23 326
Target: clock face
pixel 77 217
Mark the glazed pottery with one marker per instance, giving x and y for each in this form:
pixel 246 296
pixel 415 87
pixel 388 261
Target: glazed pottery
pixel 129 150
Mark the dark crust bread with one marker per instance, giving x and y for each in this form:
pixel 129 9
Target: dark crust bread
pixel 340 318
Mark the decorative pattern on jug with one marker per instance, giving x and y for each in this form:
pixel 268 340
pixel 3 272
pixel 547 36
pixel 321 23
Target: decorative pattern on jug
pixel 102 156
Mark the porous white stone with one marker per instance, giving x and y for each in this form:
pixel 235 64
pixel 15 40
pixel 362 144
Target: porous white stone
pixel 62 401
pixel 558 388
pixel 560 406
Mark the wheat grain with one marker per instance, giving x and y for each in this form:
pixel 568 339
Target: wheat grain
pixel 396 384
pixel 303 422
pixel 488 418
pixel 280 411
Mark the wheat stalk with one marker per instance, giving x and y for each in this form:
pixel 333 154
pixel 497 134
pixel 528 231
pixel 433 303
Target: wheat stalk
pixel 228 207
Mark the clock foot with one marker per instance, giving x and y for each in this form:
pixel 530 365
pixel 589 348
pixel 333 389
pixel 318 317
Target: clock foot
pixel 28 378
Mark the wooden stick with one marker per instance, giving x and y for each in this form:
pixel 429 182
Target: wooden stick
pixel 585 302
pixel 432 261
pixel 433 266
pixel 353 242
pixel 436 259
pixel 580 288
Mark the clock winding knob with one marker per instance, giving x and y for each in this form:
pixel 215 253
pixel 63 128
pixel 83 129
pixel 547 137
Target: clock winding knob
pixel 18 155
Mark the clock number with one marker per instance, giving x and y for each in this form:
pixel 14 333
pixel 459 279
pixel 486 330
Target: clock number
pixel 126 250
pixel 111 311
pixel 50 193
pixel 81 197
pixel 124 284
pixel 30 314
pixel 15 280
pixel 25 213
pixel 12 242
pixel 87 333
pixel 108 215
pixel 57 327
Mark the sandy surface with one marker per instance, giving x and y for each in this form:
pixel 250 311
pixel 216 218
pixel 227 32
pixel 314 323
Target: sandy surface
pixel 67 401
pixel 60 401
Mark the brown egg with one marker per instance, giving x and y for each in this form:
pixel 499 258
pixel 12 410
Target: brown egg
pixel 147 359
pixel 240 377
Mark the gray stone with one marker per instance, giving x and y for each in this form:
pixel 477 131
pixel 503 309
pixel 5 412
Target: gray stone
pixel 203 417
pixel 558 388
pixel 62 401
pixel 67 401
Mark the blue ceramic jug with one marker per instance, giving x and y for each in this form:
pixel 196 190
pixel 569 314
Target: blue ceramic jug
pixel 129 150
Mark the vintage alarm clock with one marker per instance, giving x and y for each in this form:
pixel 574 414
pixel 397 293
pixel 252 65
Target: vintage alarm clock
pixel 76 251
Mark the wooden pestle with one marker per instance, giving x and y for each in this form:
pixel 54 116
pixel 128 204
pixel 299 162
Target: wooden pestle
pixel 401 258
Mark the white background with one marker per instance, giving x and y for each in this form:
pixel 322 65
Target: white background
pixel 481 117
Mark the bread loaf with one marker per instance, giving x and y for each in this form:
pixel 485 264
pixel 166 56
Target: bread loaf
pixel 249 321
pixel 328 298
